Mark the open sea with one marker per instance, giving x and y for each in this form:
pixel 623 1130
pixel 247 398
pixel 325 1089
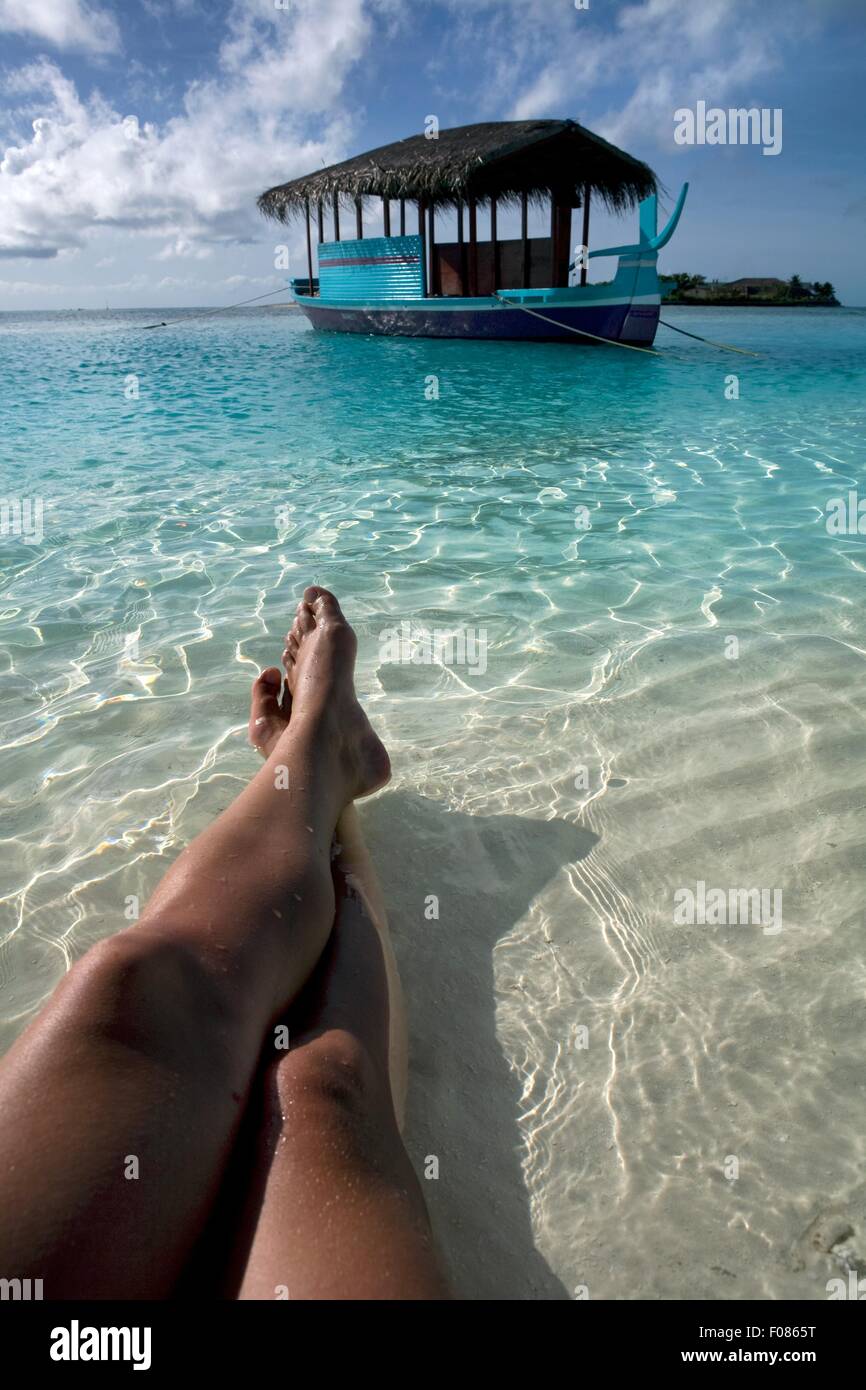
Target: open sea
pixel 637 677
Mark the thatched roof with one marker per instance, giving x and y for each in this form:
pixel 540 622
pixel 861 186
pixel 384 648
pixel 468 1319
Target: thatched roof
pixel 501 158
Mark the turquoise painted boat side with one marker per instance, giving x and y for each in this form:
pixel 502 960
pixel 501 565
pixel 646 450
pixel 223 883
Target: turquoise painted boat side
pixel 636 281
pixel 648 219
pixel 379 269
pixel 664 237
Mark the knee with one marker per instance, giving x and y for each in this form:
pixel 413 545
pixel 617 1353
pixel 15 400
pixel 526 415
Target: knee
pixel 142 986
pixel 333 1069
pixel 137 962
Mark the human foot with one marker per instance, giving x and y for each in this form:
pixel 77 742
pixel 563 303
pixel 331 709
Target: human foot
pixel 319 662
pixel 319 693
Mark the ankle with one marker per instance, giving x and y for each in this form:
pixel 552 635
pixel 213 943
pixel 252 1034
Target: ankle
pixel 319 761
pixel 313 731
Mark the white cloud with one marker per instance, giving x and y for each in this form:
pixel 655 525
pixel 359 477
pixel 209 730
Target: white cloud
pixel 135 284
pixel 556 61
pixel 682 52
pixel 181 248
pixel 194 178
pixel 305 49
pixel 30 288
pixel 63 23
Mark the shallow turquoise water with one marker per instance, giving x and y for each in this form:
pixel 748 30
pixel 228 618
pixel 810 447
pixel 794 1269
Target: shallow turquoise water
pixel 614 748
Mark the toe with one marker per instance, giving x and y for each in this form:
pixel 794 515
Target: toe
pixel 266 714
pixel 266 691
pixel 322 603
pixel 295 631
pixel 305 619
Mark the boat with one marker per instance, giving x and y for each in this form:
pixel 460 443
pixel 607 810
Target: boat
pixel 419 285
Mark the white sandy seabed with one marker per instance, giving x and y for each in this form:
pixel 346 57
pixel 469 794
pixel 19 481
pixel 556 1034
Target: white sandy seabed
pixel 619 1106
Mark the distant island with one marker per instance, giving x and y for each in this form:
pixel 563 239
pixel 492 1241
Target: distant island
pixel 695 289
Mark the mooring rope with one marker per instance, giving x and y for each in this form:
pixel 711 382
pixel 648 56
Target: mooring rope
pixel 723 347
pixel 582 332
pixel 222 309
pixel 632 347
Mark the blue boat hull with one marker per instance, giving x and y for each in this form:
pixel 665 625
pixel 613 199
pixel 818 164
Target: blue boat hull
pixel 622 323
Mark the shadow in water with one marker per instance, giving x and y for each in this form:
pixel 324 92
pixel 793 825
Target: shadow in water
pixel 464 1100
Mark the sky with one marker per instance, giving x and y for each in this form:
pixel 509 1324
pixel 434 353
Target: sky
pixel 136 135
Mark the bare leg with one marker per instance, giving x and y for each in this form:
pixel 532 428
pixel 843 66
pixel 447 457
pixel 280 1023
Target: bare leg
pixel 222 1262
pixel 121 1102
pixel 338 1211
pixel 355 863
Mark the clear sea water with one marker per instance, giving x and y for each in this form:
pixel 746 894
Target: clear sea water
pixel 673 694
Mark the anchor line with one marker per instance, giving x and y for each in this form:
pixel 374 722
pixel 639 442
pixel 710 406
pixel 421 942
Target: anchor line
pixel 221 309
pixel 723 347
pixel 632 347
pixel 582 332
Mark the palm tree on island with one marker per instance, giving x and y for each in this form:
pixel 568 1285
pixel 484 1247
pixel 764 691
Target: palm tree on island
pixel 683 288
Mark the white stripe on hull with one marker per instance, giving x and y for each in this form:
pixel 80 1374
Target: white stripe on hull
pixel 479 305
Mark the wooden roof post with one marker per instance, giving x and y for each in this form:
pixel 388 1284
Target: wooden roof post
pixel 495 239
pixel 585 234
pixel 462 245
pixel 424 281
pixel 359 220
pixel 560 237
pixel 336 217
pixel 524 237
pixel 321 218
pixel 402 216
pixel 435 268
pixel 473 247
pixel 309 247
pixel 386 216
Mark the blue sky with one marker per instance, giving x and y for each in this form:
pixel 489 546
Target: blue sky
pixel 136 134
